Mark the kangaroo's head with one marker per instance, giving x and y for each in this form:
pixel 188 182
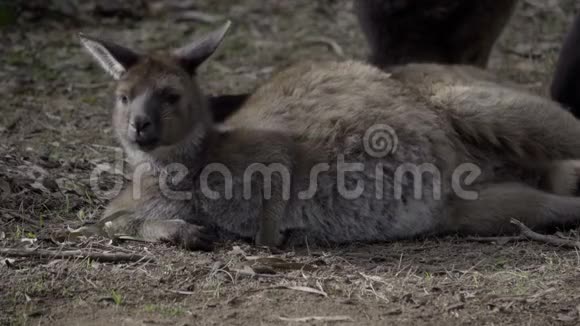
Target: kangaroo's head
pixel 158 103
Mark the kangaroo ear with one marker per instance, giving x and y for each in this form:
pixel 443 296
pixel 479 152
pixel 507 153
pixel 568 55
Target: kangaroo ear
pixel 194 54
pixel 113 58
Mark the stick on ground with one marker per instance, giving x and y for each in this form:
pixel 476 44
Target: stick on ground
pixel 545 238
pixel 105 257
pixel 316 318
pixel 498 240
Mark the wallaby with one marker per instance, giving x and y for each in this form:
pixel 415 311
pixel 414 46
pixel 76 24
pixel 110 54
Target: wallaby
pixel 428 31
pixel 565 86
pixel 335 152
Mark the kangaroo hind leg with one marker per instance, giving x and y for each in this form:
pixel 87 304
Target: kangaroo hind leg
pixel 561 178
pixel 497 204
pixel 511 122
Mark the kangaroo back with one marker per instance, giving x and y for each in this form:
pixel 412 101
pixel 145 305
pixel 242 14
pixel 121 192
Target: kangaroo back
pixel 493 114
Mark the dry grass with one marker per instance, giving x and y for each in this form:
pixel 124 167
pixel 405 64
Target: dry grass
pixel 55 129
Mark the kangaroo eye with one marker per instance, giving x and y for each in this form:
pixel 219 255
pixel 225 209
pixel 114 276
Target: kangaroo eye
pixel 124 99
pixel 172 98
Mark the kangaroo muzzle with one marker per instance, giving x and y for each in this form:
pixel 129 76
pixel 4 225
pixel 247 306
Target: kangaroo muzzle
pixel 144 127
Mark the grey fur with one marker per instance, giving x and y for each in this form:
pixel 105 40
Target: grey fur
pixel 315 113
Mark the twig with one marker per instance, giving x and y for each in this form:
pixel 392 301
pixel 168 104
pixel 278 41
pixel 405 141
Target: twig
pixel 181 292
pixel 134 239
pixel 105 246
pixel 544 238
pixel 24 218
pixel 90 86
pixel 306 289
pixel 499 240
pixel 540 294
pixel 457 306
pixel 316 318
pixel 277 287
pixel 113 148
pixel 250 291
pixel 332 44
pixel 199 16
pixel 258 275
pixel 75 254
pixel 371 256
pixel 520 299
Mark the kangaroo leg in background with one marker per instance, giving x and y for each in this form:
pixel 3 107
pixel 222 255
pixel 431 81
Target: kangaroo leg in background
pixel 566 81
pixel 432 31
pixel 560 177
pixel 497 204
pixel 405 31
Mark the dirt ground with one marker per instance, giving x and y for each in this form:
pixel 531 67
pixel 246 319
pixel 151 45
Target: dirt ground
pixel 55 129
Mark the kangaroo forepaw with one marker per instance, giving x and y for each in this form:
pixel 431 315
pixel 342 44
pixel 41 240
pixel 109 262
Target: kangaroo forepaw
pixel 194 237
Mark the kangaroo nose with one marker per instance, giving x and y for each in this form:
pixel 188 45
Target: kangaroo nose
pixel 143 131
pixel 142 125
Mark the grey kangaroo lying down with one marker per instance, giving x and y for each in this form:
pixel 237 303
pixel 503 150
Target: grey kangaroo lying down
pixel 335 152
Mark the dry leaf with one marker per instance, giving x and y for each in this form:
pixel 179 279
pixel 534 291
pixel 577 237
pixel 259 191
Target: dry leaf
pixel 39 186
pixel 566 318
pixel 7 262
pixel 236 250
pixel 246 270
pixel 373 278
pixel 28 241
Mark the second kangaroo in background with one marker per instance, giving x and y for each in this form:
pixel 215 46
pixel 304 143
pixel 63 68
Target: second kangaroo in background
pixel 565 86
pixel 427 31
pixel 432 31
pixel 330 153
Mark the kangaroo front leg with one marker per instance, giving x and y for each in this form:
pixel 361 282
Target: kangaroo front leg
pixel 270 221
pixel 269 226
pixel 150 218
pixel 177 232
pixel 497 204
